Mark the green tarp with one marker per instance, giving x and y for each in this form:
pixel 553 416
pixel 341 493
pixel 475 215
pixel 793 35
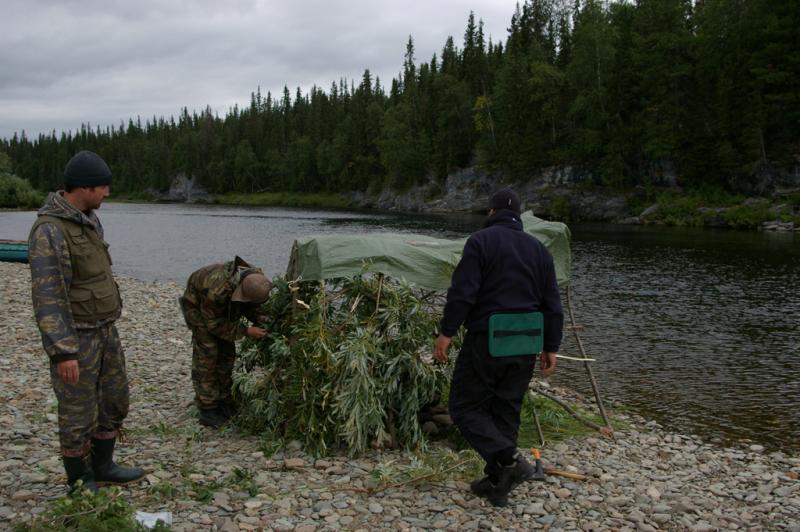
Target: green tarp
pixel 422 260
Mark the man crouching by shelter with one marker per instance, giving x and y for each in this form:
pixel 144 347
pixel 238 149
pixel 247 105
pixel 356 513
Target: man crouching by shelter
pixel 76 302
pixel 502 289
pixel 216 298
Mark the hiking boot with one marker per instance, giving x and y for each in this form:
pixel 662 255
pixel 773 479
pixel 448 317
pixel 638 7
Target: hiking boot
pixel 78 471
pixel 212 417
pixel 496 492
pixel 106 472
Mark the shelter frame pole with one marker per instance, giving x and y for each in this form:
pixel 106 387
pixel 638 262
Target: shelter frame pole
pixel 586 365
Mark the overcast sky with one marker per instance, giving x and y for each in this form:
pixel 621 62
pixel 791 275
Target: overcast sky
pixel 67 62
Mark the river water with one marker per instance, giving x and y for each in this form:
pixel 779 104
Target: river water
pixel 698 329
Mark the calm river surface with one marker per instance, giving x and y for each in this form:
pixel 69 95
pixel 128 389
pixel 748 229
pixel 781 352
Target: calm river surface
pixel 698 329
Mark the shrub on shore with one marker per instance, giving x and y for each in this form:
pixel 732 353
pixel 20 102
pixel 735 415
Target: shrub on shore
pixel 715 207
pixel 15 192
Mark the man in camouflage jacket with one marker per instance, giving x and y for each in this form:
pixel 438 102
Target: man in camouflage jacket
pixel 76 302
pixel 216 298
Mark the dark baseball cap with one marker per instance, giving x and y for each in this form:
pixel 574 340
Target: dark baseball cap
pixel 505 198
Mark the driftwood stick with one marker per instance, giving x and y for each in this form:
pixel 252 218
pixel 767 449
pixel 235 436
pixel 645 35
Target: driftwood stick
pixel 562 473
pixel 538 425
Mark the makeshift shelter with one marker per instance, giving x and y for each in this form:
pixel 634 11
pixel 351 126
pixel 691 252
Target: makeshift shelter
pixel 418 259
pixel 344 358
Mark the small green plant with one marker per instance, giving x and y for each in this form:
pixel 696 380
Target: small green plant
pixel 163 490
pixel 107 511
pixel 242 479
pixel 195 435
pixel 560 208
pixel 37 418
pixel 163 430
pixel 203 491
pixel 269 443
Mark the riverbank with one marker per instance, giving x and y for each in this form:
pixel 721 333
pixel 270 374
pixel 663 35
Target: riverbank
pixel 645 479
pixel 669 207
pixel 564 194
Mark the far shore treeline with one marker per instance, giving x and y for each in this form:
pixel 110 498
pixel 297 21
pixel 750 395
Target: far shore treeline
pixel 708 91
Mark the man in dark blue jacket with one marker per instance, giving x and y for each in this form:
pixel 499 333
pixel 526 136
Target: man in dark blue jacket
pixel 503 270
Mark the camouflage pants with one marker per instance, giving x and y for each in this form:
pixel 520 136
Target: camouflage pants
pixel 212 368
pixel 97 404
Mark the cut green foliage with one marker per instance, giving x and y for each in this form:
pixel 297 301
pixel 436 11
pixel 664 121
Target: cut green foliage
pixel 107 511
pixel 438 464
pixel 352 370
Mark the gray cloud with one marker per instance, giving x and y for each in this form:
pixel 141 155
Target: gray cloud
pixel 68 62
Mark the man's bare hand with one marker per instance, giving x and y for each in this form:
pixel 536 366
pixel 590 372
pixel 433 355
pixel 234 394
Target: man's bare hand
pixel 256 332
pixel 68 371
pixel 547 363
pixel 441 347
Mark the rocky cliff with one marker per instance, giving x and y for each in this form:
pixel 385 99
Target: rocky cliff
pixel 182 190
pixel 562 192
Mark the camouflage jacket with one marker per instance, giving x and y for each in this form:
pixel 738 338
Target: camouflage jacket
pixel 51 277
pixel 206 302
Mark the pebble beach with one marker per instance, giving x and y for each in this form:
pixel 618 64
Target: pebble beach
pixel 644 478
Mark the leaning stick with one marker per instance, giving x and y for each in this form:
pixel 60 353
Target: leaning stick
pixel 589 372
pixel 572 412
pixel 565 474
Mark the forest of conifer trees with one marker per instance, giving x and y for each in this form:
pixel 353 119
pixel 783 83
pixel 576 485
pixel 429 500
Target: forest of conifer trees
pixel 708 89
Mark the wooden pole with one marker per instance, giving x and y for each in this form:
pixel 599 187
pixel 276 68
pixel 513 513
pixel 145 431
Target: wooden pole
pixel 595 389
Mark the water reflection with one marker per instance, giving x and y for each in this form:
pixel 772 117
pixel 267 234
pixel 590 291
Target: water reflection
pixel 696 328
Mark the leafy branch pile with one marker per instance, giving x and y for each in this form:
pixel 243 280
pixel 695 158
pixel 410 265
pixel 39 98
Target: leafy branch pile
pixel 349 366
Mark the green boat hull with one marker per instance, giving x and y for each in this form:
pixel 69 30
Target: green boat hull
pixel 13 251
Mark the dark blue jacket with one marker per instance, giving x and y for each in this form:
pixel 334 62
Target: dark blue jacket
pixel 503 269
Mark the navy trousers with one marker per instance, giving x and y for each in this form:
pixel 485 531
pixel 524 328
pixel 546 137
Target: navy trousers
pixel 486 397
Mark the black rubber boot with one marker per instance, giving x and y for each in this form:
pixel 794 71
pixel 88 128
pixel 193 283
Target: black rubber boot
pixel 105 470
pixel 496 491
pixel 78 470
pixel 212 417
pixel 228 408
